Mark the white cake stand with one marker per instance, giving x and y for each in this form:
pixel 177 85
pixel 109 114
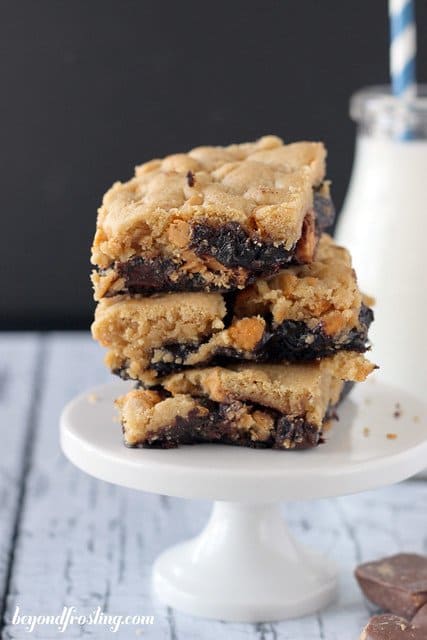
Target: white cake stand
pixel 245 565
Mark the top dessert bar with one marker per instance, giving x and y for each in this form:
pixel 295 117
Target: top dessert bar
pixel 212 219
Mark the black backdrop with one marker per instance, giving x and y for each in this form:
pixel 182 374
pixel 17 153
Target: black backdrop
pixel 92 87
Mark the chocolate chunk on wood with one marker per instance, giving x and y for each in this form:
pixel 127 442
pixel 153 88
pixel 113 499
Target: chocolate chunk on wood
pixel 391 627
pixel 397 584
pixel 420 619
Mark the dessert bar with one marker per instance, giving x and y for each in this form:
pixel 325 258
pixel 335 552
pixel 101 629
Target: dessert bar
pixel 302 313
pixel 212 219
pixel 285 406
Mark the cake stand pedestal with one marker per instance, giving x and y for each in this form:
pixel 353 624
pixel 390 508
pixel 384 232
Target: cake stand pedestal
pixel 245 565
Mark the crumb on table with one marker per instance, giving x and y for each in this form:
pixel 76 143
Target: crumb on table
pixel 366 432
pixel 397 410
pixel 391 436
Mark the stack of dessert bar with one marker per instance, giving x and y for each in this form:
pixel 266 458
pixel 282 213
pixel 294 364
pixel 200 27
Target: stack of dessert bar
pixel 221 295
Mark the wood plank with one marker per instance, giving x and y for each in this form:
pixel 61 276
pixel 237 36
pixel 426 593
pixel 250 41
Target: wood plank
pixel 20 361
pixel 86 543
pixel 83 543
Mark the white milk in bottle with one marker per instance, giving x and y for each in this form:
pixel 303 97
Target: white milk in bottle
pixel 384 224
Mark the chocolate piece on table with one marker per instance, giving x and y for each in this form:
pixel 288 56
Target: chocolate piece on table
pixel 397 584
pixel 391 627
pixel 420 619
pixel 303 313
pixel 212 219
pixel 284 406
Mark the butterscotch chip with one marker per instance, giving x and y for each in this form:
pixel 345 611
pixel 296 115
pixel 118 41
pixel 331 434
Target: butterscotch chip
pixel 179 233
pixel 333 323
pixel 246 333
pixel 251 207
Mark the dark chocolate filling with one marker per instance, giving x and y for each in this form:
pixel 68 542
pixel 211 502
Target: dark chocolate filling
pixel 230 245
pixel 292 341
pixel 155 275
pixel 295 341
pixel 218 426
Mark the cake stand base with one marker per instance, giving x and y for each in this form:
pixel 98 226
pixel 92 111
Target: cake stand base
pixel 245 566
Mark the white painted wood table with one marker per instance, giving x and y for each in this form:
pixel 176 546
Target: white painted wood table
pixel 69 540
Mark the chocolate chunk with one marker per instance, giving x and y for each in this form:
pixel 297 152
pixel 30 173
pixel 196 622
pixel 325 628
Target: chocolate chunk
pixel 420 619
pixel 297 433
pixel 397 584
pixel 390 627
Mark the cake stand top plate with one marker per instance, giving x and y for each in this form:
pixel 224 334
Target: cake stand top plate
pixel 375 443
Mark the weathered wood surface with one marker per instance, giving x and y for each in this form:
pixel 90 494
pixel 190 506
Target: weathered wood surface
pixel 20 357
pixel 67 539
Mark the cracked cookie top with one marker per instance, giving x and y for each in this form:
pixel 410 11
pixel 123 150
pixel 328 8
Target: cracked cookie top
pixel 265 186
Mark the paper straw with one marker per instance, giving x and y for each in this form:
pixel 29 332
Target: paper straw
pixel 403 48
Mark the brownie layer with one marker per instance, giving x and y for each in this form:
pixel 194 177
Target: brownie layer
pixel 304 313
pixel 212 219
pixel 278 406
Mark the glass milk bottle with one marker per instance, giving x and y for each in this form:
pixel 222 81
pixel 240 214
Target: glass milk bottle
pixel 384 224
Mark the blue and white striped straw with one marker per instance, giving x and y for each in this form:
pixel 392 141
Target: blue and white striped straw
pixel 403 48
